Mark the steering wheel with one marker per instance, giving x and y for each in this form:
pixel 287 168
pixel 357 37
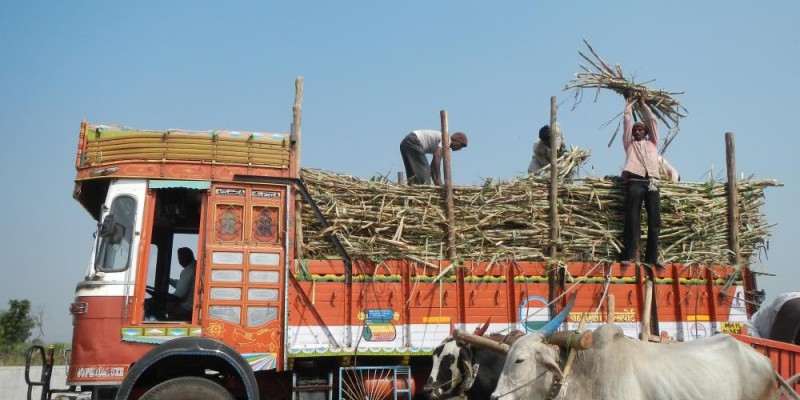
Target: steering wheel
pixel 153 292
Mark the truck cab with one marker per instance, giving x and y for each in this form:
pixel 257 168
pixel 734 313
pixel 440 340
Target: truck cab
pixel 146 210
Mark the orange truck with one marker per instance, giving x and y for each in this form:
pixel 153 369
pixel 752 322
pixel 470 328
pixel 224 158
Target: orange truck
pixel 265 324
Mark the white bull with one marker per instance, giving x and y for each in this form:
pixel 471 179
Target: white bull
pixel 620 368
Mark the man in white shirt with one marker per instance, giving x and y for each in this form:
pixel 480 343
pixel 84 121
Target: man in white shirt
pixel 541 149
pixel 179 305
pixel 414 148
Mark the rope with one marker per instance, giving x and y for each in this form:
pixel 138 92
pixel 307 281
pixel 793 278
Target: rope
pixel 518 387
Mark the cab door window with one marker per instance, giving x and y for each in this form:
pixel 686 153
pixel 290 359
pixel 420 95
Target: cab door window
pixel 116 235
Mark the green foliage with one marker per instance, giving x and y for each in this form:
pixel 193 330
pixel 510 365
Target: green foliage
pixel 16 323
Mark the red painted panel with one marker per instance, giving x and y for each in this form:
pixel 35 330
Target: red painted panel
pixel 486 293
pixel 784 356
pixel 326 298
pixel 97 340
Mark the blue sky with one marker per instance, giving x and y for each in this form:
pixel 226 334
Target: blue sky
pixel 374 70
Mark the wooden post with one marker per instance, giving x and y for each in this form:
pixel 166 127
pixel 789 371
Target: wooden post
pixel 295 135
pixel 648 301
pixel 610 305
pixel 554 227
pixel 401 180
pixel 554 276
pixel 733 201
pixel 448 188
pixel 447 191
pixel 750 284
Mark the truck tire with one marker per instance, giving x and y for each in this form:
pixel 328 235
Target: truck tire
pixel 187 388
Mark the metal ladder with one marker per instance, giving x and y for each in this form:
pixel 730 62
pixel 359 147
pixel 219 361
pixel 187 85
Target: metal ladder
pixel 403 372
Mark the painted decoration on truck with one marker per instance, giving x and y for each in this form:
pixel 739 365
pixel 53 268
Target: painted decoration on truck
pixel 266 221
pixel 533 313
pixel 228 222
pixel 158 334
pixel 261 361
pixel 378 325
pixel 351 351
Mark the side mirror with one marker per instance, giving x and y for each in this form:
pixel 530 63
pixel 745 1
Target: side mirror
pixel 106 228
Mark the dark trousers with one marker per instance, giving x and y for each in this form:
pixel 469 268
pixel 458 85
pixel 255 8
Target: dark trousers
pixel 786 327
pixel 418 170
pixel 636 193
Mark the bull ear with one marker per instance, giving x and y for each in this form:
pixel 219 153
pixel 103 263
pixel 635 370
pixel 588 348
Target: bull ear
pixel 481 330
pixel 559 319
pixel 546 361
pixel 471 374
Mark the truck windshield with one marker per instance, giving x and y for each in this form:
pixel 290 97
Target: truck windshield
pixel 116 236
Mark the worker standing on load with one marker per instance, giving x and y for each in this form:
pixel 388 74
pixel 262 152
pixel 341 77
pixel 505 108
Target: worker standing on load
pixel 641 176
pixel 414 148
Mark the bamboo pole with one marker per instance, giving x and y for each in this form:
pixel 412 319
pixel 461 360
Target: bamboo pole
pixel 297 113
pixel 401 180
pixel 648 301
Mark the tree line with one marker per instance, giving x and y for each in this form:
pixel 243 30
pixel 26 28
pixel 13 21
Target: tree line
pixel 17 324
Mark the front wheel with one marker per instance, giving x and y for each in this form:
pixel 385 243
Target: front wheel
pixel 188 388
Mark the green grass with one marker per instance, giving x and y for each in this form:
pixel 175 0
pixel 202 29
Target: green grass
pixel 14 355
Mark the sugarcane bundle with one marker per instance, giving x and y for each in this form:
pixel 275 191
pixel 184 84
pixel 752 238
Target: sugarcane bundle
pixel 568 163
pixel 601 75
pixel 508 220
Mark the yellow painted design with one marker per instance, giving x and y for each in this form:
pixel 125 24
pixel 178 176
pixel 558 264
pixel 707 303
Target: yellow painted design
pixel 215 329
pixel 732 327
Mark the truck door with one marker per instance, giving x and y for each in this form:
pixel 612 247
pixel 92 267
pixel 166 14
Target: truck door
pixel 245 261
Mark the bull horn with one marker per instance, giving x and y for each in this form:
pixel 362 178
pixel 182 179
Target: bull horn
pixel 559 319
pixel 481 330
pixel 452 327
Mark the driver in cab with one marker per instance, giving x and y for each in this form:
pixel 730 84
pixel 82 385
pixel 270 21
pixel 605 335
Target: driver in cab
pixel 178 304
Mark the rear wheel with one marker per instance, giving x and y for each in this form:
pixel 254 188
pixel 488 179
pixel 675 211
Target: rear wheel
pixel 187 388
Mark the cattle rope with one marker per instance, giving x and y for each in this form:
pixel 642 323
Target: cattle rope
pixel 518 387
